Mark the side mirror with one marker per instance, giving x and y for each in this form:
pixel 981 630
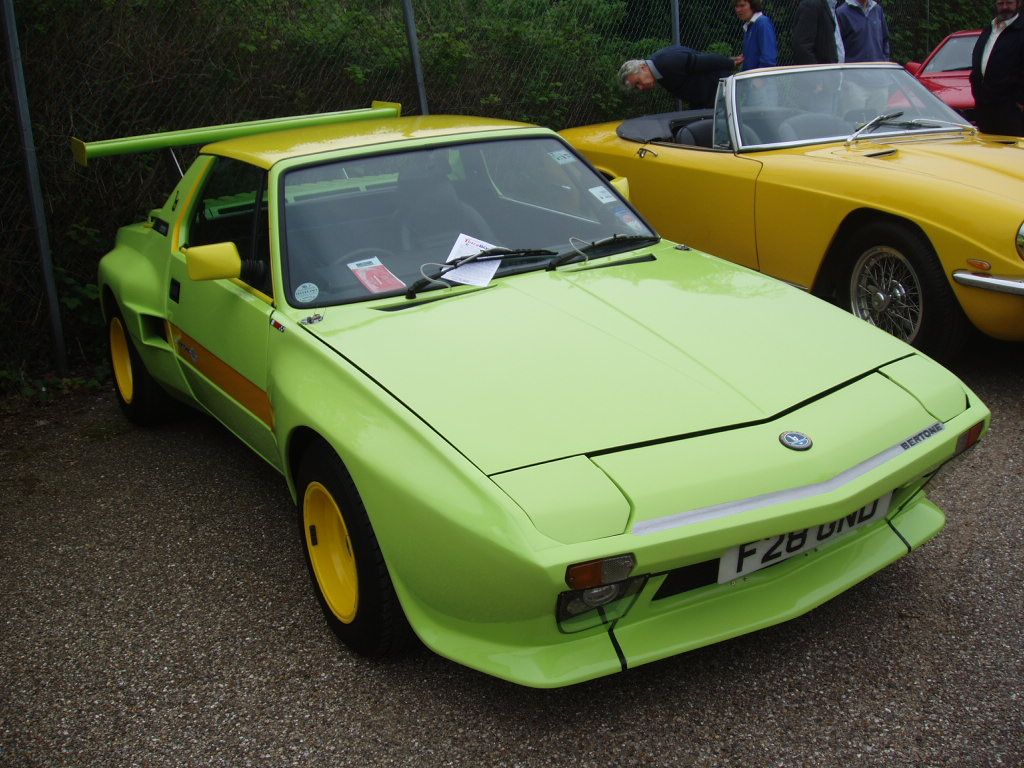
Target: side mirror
pixel 621 185
pixel 913 67
pixel 213 262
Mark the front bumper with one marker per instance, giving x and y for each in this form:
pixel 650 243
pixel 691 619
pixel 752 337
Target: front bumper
pixel 662 620
pixel 658 629
pixel 1011 285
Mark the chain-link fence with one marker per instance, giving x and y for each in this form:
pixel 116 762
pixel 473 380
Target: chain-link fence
pixel 122 67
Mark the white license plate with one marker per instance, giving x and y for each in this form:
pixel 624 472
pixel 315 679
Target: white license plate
pixel 747 558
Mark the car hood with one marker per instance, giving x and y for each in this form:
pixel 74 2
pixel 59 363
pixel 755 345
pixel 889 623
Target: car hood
pixel 954 88
pixel 595 357
pixel 990 167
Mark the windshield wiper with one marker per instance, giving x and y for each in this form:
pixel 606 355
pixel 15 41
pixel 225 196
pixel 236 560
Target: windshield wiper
pixel 874 122
pixel 486 255
pixel 583 250
pixel 933 122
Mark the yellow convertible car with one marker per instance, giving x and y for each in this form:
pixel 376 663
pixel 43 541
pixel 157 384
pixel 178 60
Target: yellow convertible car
pixel 850 181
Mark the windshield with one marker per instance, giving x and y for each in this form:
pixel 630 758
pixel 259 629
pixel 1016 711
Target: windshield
pixel 828 104
pixel 362 228
pixel 954 56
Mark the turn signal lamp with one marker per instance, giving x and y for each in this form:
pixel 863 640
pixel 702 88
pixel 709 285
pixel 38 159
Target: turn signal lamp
pixel 596 573
pixel 984 266
pixel 598 589
pixel 970 437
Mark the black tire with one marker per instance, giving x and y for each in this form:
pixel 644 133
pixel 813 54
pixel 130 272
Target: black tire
pixel 893 279
pixel 341 547
pixel 140 396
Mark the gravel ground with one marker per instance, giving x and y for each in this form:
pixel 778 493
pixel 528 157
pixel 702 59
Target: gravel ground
pixel 155 611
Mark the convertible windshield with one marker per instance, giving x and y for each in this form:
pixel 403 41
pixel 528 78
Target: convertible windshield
pixel 362 228
pixel 797 105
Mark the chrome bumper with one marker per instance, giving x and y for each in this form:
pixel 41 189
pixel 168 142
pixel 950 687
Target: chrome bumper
pixel 1014 285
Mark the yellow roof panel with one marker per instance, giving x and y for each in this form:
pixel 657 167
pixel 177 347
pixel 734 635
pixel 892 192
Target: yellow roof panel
pixel 266 149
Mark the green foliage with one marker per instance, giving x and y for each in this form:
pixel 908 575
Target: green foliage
pixel 721 48
pixel 78 299
pixel 44 388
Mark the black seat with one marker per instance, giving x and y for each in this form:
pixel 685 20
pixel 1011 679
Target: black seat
pixel 699 133
pixel 430 216
pixel 813 125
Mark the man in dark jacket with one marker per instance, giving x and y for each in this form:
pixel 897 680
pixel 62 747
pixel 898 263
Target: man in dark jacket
pixel 997 72
pixel 687 74
pixel 816 39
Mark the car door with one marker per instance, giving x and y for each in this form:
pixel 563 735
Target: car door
pixel 701 197
pixel 220 328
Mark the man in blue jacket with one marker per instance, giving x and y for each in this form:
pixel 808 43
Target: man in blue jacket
pixel 997 72
pixel 687 74
pixel 865 38
pixel 760 43
pixel 864 31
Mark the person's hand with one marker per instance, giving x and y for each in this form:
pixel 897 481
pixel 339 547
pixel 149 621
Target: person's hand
pixel 737 61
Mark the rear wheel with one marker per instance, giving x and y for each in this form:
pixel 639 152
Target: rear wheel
pixel 345 563
pixel 141 398
pixel 894 281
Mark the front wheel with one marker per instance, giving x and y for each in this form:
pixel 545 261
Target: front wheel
pixel 894 281
pixel 345 563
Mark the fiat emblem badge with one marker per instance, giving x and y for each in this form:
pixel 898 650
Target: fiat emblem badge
pixel 797 441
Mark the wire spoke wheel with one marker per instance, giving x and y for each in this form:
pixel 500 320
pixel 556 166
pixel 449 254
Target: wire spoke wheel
pixel 886 291
pixel 894 279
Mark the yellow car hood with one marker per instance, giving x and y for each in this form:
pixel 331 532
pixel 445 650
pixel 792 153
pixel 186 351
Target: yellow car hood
pixel 988 166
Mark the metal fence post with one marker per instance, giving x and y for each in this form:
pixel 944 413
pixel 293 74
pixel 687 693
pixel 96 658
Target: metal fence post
pixel 414 49
pixel 35 189
pixel 676 36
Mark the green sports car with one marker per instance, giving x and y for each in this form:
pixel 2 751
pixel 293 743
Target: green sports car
pixel 517 423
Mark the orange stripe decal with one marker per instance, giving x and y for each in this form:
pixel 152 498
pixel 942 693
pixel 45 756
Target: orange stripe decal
pixel 250 396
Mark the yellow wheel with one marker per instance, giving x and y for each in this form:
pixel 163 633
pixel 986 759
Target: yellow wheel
pixel 121 361
pixel 346 567
pixel 330 552
pixel 140 396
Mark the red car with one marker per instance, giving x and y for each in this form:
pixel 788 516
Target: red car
pixel 947 71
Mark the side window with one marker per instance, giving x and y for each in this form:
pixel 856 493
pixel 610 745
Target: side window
pixel 233 208
pixel 720 129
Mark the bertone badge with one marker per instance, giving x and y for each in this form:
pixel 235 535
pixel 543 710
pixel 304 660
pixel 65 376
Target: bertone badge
pixel 798 441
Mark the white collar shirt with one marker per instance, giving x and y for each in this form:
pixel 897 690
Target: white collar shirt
pixel 997 29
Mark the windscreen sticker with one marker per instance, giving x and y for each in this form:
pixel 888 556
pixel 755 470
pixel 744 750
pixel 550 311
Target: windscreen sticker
pixel 604 195
pixel 476 272
pixel 562 156
pixel 628 218
pixel 375 277
pixel 307 292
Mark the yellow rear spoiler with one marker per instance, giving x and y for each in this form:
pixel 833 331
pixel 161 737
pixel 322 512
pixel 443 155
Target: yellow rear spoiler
pixel 84 151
